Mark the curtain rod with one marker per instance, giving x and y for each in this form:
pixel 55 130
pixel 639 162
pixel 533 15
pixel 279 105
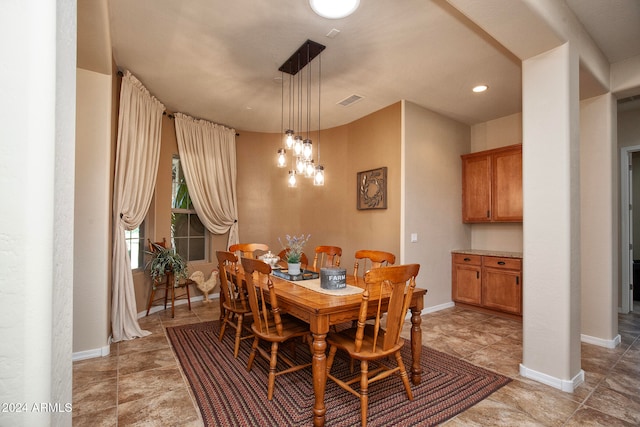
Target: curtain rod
pixel 171 116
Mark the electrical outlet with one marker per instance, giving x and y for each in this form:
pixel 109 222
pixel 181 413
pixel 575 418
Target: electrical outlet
pixel 414 237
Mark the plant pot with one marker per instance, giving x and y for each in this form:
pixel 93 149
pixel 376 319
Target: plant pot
pixel 294 268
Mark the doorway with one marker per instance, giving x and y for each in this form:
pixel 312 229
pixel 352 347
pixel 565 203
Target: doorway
pixel 630 238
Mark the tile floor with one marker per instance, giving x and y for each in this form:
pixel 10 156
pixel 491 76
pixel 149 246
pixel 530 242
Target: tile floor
pixel 140 382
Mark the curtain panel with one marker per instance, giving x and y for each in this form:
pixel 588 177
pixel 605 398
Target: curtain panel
pixel 136 168
pixel 208 157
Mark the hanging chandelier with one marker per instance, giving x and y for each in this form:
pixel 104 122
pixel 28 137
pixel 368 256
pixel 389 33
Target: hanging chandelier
pixel 297 144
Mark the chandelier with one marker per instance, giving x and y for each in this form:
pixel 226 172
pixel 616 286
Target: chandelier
pixel 297 144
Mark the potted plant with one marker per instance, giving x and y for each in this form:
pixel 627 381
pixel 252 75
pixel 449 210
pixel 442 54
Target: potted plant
pixel 293 251
pixel 166 260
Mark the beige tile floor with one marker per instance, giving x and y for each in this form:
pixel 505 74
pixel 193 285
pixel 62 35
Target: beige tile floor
pixel 140 382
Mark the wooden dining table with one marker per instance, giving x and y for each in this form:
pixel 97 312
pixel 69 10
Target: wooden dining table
pixel 322 310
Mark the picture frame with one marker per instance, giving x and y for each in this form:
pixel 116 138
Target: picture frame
pixel 372 189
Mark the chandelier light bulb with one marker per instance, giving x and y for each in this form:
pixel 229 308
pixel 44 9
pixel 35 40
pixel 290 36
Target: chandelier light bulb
pixel 310 169
pixel 307 149
pixel 288 139
pixel 297 145
pixel 282 157
pixel 301 165
pixel 292 179
pixel 318 180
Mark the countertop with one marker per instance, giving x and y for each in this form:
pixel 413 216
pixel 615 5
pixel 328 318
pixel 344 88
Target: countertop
pixel 502 254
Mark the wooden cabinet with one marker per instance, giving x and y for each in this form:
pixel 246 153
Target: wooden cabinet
pixel 490 282
pixel 492 185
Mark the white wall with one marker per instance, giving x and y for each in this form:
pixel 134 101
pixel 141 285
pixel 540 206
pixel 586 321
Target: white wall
pixel 486 136
pixel 598 210
pixel 37 118
pixel 92 211
pixel 432 189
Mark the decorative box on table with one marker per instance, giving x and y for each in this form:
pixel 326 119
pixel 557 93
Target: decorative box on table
pixel 333 278
pixel 304 275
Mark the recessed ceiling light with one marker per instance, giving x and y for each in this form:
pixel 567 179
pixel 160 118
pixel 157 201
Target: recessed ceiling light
pixel 334 9
pixel 480 88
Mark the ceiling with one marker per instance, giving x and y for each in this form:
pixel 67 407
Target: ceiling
pixel 219 59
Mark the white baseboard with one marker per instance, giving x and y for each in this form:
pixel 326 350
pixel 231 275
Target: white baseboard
pixel 90 354
pixel 435 308
pixel 565 385
pixel 601 342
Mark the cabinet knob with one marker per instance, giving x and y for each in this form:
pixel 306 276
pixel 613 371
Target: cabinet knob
pixel 501 263
pixel 467 259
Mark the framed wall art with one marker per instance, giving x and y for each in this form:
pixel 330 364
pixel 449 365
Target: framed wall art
pixel 372 189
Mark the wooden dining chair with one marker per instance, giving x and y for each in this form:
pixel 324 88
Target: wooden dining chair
pixel 167 283
pixel 234 301
pixel 248 250
pixel 304 261
pixel 371 342
pixel 326 256
pixel 366 260
pixel 269 324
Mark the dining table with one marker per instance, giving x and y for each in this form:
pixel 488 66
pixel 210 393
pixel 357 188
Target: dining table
pixel 321 309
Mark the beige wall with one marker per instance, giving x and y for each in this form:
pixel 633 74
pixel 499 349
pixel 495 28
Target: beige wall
pixel 432 197
pixel 92 237
pixel 268 209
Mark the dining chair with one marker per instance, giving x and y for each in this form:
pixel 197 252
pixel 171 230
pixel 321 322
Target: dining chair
pixel 234 300
pixel 370 259
pixel 269 324
pixel 167 283
pixel 304 261
pixel 371 342
pixel 248 250
pixel 326 256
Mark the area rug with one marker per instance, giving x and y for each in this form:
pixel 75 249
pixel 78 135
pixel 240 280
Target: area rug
pixel 228 395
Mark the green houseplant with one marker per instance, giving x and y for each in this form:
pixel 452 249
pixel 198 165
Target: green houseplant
pixel 166 260
pixel 293 251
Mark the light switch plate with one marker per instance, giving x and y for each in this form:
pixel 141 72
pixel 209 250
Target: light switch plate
pixel 414 237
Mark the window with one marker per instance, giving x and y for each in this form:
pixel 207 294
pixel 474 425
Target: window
pixel 188 234
pixel 135 246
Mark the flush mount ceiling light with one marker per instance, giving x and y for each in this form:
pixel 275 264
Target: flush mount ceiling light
pixel 334 9
pixel 480 88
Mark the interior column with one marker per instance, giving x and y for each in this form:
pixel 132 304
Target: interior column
pixel 551 227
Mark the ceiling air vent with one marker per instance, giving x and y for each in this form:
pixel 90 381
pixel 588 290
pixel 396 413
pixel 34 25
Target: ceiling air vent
pixel 352 99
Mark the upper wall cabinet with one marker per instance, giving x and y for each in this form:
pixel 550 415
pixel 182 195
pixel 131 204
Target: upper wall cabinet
pixel 492 185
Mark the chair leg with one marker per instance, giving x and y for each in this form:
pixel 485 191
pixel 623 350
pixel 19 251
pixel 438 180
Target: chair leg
pixel 254 349
pixel 223 325
pixel 236 347
pixel 272 369
pixel 153 293
pixel 364 391
pixel 332 355
pixel 404 376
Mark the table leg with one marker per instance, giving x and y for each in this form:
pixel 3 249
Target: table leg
pixel 319 368
pixel 416 345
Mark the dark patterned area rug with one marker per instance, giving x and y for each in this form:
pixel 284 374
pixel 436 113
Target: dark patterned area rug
pixel 228 395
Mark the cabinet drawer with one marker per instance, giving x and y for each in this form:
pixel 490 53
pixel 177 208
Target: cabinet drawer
pixel 467 259
pixel 506 263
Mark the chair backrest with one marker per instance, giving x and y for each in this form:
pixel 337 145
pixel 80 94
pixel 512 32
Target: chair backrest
pixel 153 245
pixel 399 281
pixel 248 250
pixel 230 286
pixel 264 304
pixel 327 256
pixel 303 258
pixel 368 260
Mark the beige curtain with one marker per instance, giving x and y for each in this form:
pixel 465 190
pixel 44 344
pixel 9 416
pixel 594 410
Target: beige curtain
pixel 137 157
pixel 208 158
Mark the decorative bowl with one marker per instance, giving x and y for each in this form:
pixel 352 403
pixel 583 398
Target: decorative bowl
pixel 270 259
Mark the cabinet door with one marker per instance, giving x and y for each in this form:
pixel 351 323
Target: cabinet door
pixel 466 284
pixel 502 290
pixel 476 188
pixel 507 185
